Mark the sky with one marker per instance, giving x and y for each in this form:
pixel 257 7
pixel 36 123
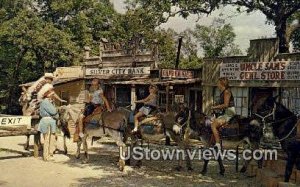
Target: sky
pixel 246 26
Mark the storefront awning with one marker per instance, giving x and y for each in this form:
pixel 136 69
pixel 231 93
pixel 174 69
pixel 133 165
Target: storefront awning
pixel 55 81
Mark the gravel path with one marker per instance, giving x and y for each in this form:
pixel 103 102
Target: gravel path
pixel 19 168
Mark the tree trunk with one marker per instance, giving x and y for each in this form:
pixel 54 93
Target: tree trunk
pixel 281 31
pixel 13 89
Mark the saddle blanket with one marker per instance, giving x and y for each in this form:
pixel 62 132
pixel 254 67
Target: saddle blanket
pixel 147 129
pixel 111 120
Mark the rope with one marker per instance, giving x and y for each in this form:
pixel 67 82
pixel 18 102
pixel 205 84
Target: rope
pixel 273 113
pixel 276 141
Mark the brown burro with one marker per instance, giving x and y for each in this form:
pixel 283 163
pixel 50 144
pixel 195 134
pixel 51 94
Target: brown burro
pixel 113 124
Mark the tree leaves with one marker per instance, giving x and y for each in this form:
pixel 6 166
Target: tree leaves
pixel 38 36
pixel 216 39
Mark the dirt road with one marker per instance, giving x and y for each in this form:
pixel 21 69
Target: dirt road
pixel 19 168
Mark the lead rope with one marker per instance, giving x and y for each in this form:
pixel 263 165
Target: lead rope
pixel 273 113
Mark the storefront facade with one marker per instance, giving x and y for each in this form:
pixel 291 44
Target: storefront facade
pixel 262 73
pixel 125 78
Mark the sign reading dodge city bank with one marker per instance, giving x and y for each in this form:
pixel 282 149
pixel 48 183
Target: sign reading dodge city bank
pixel 15 121
pixel 118 71
pixel 279 70
pixel 172 73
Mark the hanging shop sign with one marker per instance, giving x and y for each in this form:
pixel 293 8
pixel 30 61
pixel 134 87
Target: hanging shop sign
pixel 279 70
pixel 118 71
pixel 172 73
pixel 179 99
pixel 68 72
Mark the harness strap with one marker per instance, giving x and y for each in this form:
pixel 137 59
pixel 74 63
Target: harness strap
pixel 273 114
pixel 286 135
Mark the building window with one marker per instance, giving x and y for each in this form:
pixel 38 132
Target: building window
pixel 123 96
pixel 162 101
pixel 291 99
pixel 240 95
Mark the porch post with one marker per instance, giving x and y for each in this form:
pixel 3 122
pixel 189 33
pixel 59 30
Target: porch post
pixel 133 97
pixel 167 97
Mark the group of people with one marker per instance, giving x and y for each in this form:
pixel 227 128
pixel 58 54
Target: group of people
pixel 40 98
pixel 225 104
pixel 97 103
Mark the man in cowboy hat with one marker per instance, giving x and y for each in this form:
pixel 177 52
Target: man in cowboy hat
pixel 47 124
pixel 38 85
pixel 45 86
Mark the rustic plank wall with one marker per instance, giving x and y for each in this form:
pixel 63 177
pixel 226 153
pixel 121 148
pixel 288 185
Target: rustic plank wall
pixel 72 89
pixel 261 50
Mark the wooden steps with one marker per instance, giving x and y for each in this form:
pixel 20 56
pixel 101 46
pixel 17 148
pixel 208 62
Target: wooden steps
pixel 272 174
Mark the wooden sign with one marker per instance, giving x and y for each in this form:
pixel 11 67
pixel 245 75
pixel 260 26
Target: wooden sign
pixel 118 71
pixel 15 121
pixel 279 70
pixel 179 98
pixel 68 72
pixel 172 73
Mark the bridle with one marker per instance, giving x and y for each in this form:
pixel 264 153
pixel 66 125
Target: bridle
pixel 184 125
pixel 272 113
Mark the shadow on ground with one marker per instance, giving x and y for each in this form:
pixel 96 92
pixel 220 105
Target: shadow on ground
pixel 154 172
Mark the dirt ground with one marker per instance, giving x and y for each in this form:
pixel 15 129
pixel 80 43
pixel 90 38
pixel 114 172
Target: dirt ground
pixel 19 168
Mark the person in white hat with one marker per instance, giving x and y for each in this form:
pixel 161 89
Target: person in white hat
pixel 37 86
pixel 47 124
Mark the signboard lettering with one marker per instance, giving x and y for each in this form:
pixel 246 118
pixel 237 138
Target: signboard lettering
pixel 68 72
pixel 119 71
pixel 281 70
pixel 179 98
pixel 15 121
pixel 172 73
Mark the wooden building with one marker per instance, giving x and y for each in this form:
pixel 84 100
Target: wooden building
pixel 261 73
pixel 125 76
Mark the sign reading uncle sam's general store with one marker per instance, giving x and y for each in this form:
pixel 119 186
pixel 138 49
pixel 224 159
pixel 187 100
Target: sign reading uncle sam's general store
pixel 278 70
pixel 118 71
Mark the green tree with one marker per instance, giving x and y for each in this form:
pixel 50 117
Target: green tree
pixel 167 47
pixel 137 27
pixel 142 25
pixel 163 10
pixel 294 31
pixel 39 35
pixel 217 39
pixel 87 21
pixel 30 46
pixel 277 11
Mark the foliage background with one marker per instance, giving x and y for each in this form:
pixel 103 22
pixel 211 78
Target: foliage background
pixel 36 36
